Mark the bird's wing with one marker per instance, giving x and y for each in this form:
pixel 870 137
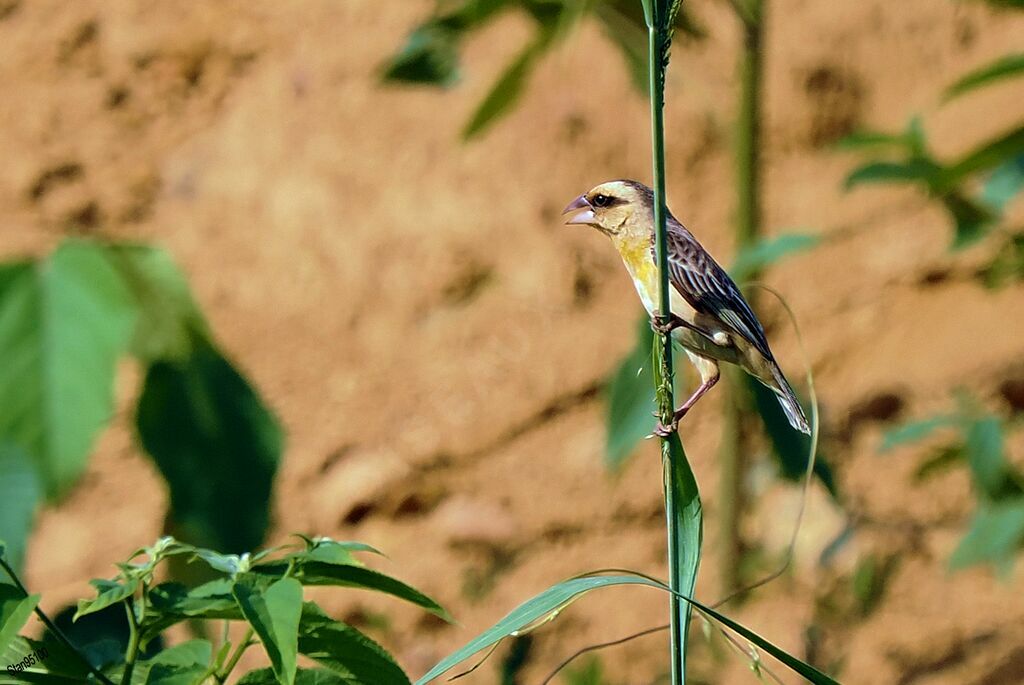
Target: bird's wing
pixel 707 287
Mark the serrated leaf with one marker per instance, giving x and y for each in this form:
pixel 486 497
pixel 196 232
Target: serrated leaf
pixel 183 664
pixel 304 676
pixel 273 612
pixel 109 592
pixel 768 251
pixel 1008 66
pixel 217 445
pixel 63 324
pixel 20 494
pixel 212 600
pixel 49 663
pixel 15 609
pixel 995 535
pixel 320 573
pixel 915 431
pixel 345 650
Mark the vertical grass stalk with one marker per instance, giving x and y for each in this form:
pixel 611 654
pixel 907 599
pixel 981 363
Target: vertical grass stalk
pixel 682 500
pixel 731 493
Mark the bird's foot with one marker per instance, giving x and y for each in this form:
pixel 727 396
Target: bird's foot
pixel 664 325
pixel 663 431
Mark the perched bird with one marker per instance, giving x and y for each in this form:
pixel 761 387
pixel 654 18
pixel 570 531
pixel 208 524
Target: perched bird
pixel 710 318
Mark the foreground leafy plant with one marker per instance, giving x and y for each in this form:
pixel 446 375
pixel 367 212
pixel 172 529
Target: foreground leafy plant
pixel 263 590
pixel 66 321
pixel 996 532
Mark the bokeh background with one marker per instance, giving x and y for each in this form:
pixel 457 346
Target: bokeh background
pixel 436 344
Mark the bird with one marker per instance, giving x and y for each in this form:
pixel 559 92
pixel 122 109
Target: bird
pixel 710 318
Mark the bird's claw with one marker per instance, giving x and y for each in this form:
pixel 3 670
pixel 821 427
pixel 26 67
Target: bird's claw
pixel 663 431
pixel 664 325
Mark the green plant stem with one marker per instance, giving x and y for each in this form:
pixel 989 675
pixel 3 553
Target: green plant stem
pixel 223 674
pixel 52 627
pixel 731 493
pixel 132 652
pixel 682 502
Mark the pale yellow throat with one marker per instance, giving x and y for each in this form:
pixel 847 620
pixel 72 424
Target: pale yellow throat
pixel 636 255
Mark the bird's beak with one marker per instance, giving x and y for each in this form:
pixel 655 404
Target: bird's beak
pixel 581 217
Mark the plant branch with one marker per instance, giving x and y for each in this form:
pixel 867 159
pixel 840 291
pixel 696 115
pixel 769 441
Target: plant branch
pixel 52 627
pixel 232 661
pixel 132 652
pixel 593 648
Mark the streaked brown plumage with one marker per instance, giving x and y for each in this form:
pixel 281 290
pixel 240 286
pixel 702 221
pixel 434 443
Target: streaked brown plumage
pixel 711 319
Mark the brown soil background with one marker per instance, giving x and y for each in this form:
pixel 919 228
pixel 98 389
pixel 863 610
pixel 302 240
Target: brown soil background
pixel 435 341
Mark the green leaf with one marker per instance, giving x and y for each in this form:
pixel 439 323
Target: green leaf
pixel 768 251
pixel 912 171
pixel 344 575
pixel 1004 184
pixel 169 318
pixel 915 431
pixel 1008 264
pixel 995 535
pixel 631 404
pixel 274 613
pixel 108 592
pixel 546 606
pixel 15 609
pixel 304 676
pixel 183 664
pixel 993 476
pixel 345 650
pixel 860 140
pixel 971 220
pixel 47 662
pixel 508 88
pixel 216 444
pixel 20 493
pixel 212 600
pixel 63 325
pixel 430 56
pixel 1008 66
pixel 987 156
pixel 628 35
pixel 791 448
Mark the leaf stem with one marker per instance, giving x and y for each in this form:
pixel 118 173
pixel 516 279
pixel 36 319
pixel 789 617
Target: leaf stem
pixel 52 627
pixel 246 642
pixel 132 652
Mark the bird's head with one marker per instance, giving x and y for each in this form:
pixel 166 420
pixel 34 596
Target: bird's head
pixel 614 207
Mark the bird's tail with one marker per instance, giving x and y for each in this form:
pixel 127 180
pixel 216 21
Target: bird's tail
pixel 787 398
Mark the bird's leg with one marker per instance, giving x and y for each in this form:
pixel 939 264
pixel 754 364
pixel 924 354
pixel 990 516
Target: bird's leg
pixel 707 382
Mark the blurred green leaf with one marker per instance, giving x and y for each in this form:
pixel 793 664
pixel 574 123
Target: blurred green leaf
pixel 870 577
pixel 995 535
pixel 345 650
pixel 344 575
pixel 1005 67
pixel 986 156
pixel 216 444
pixel 915 431
pixel 993 476
pixel 631 404
pixel 15 609
pixel 429 56
pixel 273 612
pixel 20 494
pixel 108 592
pixel 590 673
pixel 1004 184
pixel 971 221
pixel 169 318
pixel 911 171
pixel 942 460
pixel 63 324
pixel 509 87
pixel 768 251
pixel 791 448
pixel 860 140
pixel 1008 264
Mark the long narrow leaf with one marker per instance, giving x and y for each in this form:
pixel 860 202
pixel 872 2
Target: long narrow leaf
pixel 1005 67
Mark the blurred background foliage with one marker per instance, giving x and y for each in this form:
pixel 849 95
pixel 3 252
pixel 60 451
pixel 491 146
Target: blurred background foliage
pixel 66 322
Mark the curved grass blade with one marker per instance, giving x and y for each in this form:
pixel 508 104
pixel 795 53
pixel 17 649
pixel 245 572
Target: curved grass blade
pixel 546 606
pixel 1008 66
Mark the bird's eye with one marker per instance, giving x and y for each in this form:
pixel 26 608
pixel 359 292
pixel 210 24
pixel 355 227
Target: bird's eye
pixel 601 200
